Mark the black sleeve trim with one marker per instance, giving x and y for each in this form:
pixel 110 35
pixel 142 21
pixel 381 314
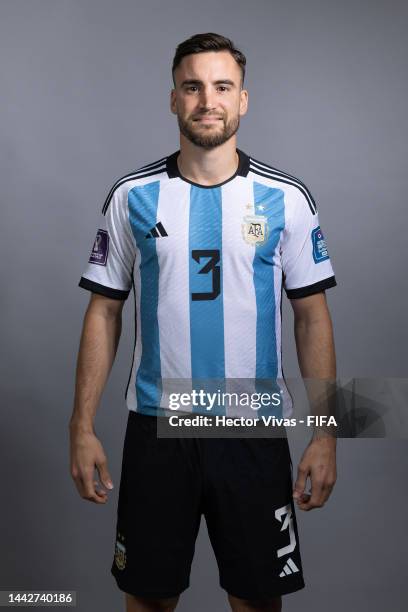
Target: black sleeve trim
pixel 116 294
pixel 326 283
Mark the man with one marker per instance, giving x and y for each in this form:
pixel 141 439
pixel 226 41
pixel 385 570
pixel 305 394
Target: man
pixel 205 236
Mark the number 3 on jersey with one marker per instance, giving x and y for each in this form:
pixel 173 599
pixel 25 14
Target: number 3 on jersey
pixel 210 266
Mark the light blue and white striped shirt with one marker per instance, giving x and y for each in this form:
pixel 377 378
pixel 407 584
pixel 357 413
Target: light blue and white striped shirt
pixel 207 265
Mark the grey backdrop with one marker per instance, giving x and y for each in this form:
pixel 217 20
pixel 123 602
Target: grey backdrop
pixel 84 99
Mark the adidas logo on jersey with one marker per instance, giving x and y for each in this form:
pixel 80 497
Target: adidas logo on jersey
pixel 157 231
pixel 289 568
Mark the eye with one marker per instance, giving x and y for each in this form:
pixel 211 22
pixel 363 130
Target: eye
pixel 223 88
pixel 191 87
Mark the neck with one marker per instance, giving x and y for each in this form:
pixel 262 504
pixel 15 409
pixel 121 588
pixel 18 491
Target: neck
pixel 207 166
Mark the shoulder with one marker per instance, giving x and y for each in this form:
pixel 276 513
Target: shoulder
pixel 144 174
pixel 298 194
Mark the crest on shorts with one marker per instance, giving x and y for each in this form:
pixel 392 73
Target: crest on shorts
pixel 255 229
pixel 120 552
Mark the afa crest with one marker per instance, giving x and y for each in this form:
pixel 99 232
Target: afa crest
pixel 255 229
pixel 120 553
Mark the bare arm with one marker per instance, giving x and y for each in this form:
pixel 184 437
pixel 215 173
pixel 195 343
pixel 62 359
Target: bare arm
pixel 316 356
pixel 99 341
pixel 314 337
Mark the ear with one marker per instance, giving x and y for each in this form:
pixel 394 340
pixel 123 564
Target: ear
pixel 173 104
pixel 243 102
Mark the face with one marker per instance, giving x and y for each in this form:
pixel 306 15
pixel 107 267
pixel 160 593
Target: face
pixel 207 98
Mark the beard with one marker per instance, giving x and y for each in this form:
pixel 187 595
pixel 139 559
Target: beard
pixel 208 136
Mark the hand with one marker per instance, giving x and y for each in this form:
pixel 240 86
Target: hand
pixel 86 454
pixel 319 464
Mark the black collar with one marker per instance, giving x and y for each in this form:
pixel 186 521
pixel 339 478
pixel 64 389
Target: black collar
pixel 173 169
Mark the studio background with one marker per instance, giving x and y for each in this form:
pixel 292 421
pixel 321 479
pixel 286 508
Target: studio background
pixel 84 100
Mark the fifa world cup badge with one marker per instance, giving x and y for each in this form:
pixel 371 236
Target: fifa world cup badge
pixel 120 552
pixel 255 229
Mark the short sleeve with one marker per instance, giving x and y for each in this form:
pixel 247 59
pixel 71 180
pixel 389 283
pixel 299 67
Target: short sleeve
pixel 306 264
pixel 110 266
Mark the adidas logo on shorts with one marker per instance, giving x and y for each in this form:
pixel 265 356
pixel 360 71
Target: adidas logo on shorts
pixel 289 568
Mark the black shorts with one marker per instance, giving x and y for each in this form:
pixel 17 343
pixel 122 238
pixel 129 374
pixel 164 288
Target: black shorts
pixel 243 486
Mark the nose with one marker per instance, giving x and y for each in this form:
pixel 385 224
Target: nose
pixel 206 99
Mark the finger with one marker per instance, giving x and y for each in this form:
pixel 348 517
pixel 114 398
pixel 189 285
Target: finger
pixel 89 491
pixel 95 497
pixel 300 483
pixel 83 483
pixel 99 489
pixel 317 497
pixel 304 497
pixel 104 474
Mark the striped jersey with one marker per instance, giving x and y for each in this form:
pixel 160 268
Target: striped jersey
pixel 207 265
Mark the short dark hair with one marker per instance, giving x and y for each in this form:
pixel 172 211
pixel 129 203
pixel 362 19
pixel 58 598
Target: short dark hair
pixel 199 43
